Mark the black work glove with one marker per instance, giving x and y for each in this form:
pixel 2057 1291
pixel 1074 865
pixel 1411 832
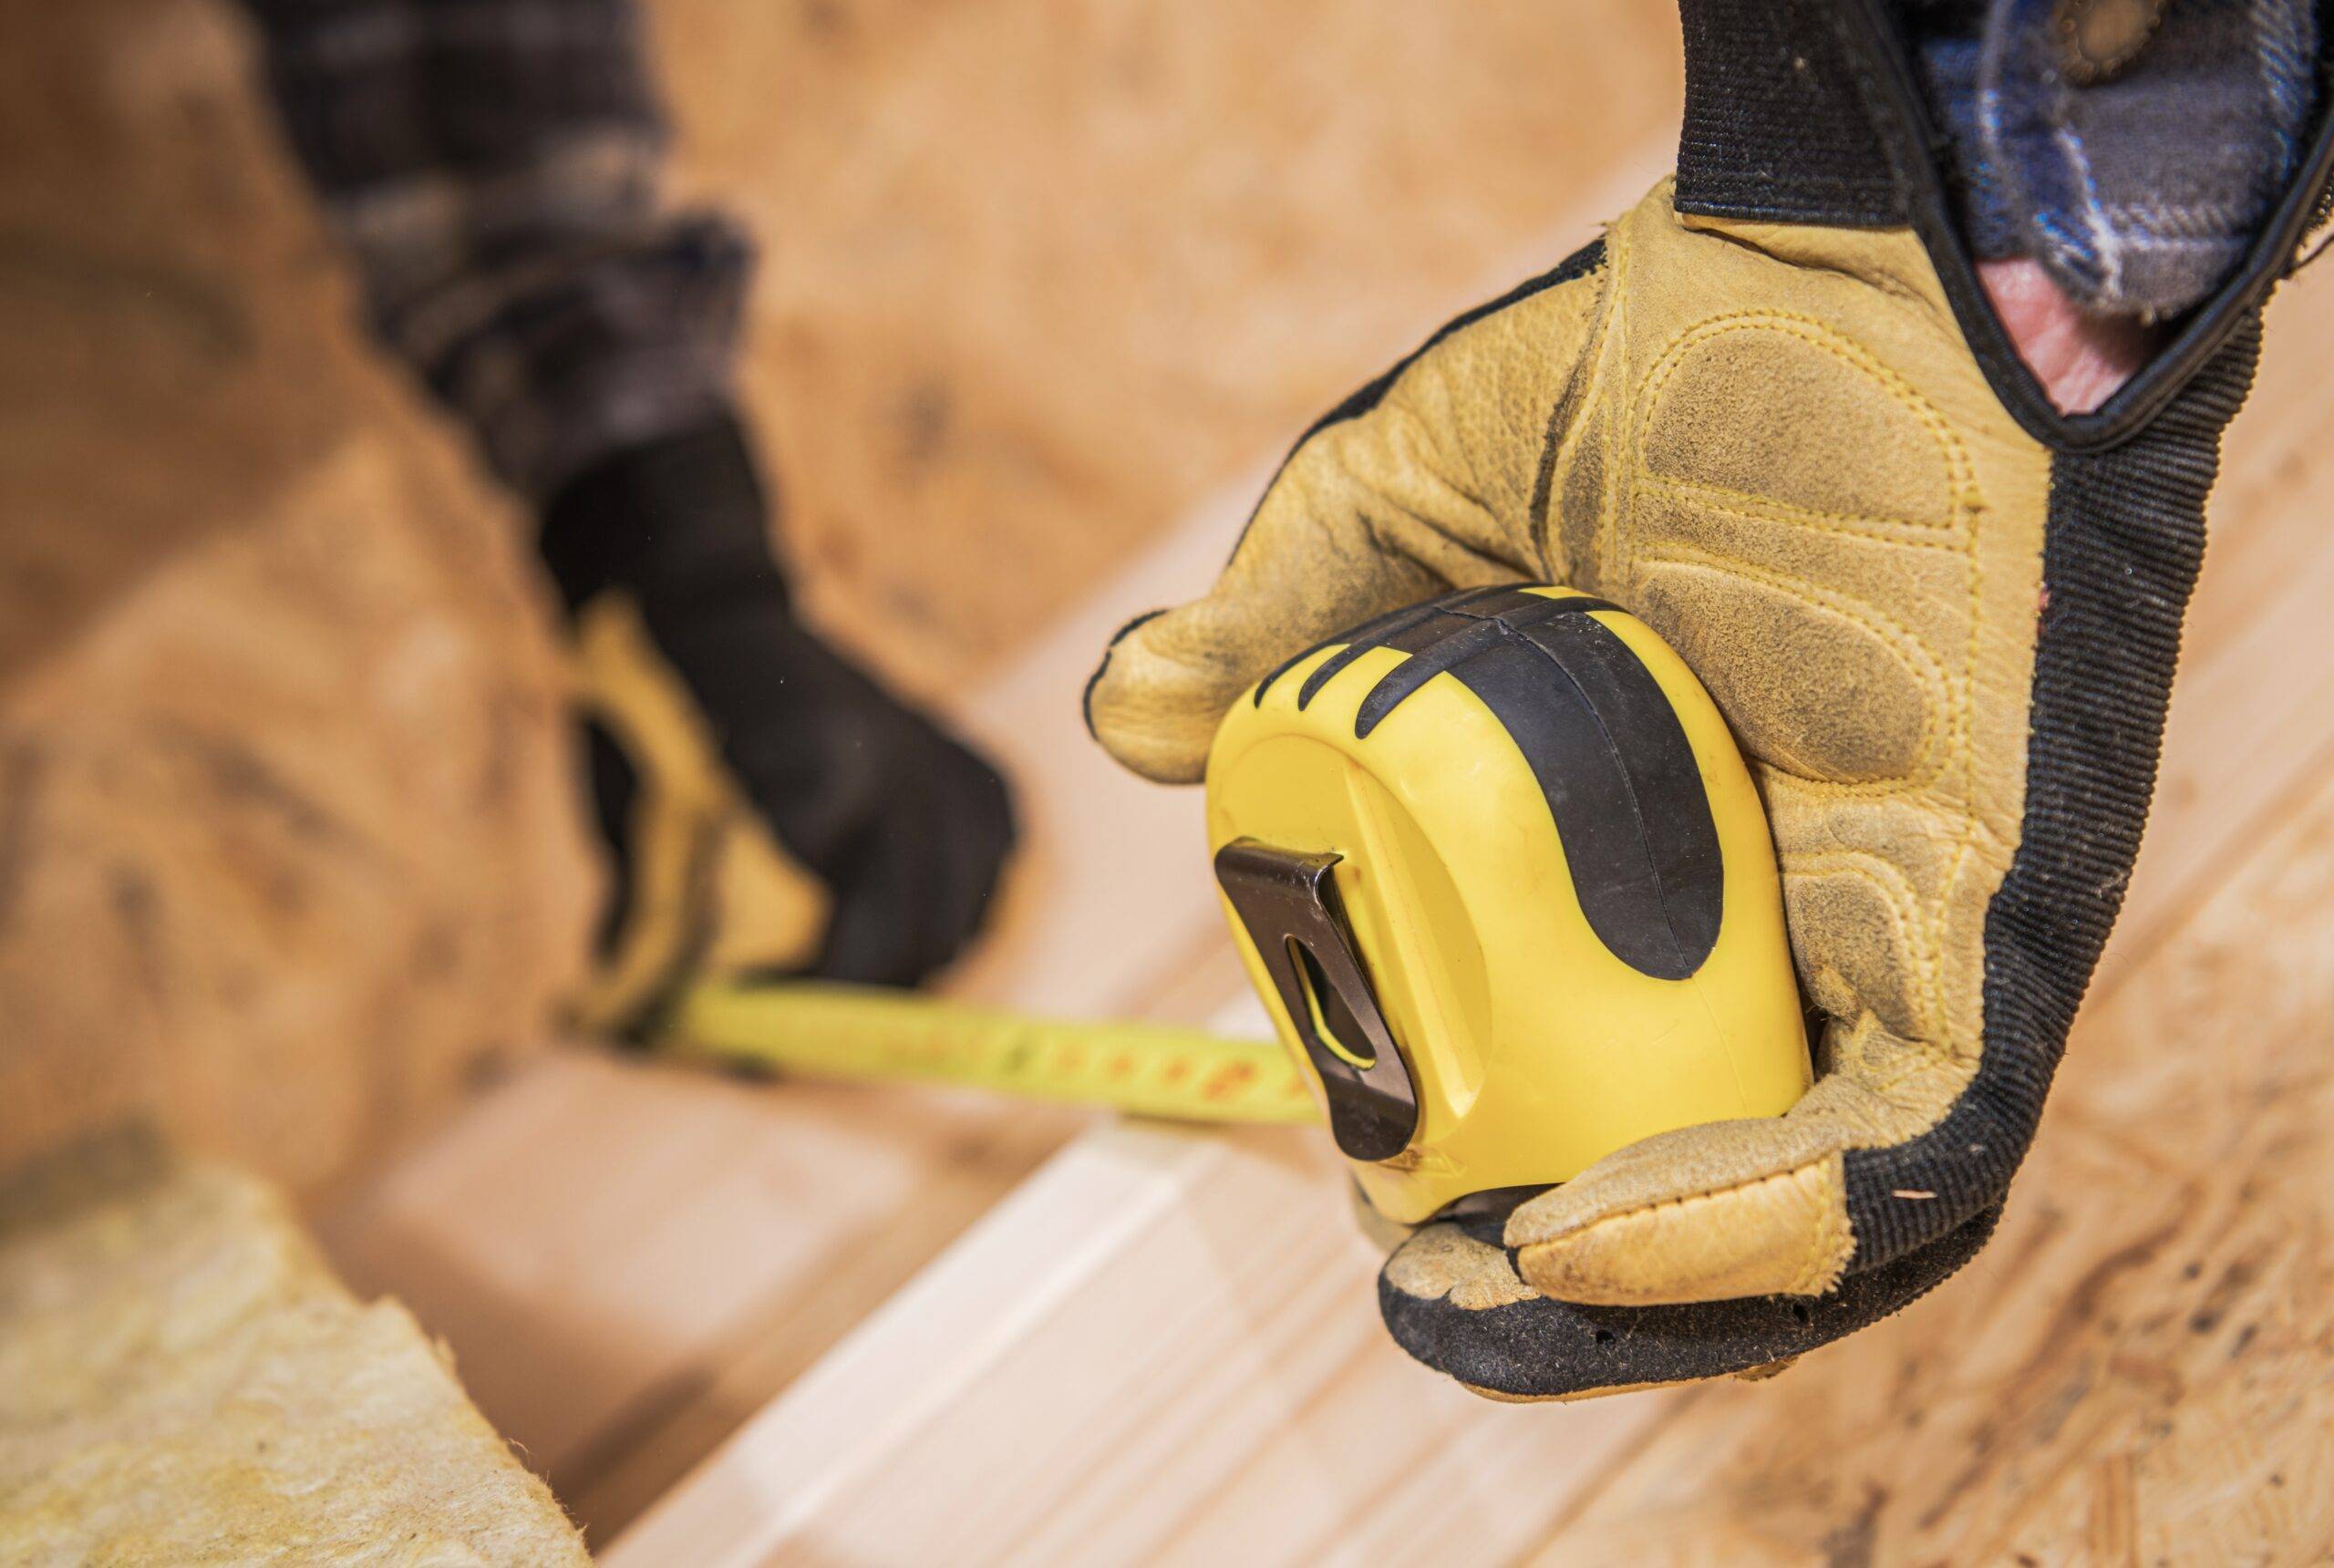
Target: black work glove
pixel 732 750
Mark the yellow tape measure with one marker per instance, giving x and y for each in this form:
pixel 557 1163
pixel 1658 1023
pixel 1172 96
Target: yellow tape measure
pixel 862 1035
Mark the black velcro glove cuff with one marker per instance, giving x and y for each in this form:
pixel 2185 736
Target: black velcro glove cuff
pixel 681 520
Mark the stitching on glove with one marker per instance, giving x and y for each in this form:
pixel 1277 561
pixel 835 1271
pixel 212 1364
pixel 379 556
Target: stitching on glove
pixel 1936 679
pixel 1947 746
pixel 1963 502
pixel 1922 937
pixel 1579 393
pixel 1752 508
pixel 1822 336
pixel 1829 1249
pixel 1816 1274
pixel 1896 893
pixel 1966 506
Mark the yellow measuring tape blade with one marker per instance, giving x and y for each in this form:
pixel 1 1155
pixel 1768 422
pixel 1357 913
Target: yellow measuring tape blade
pixel 853 1033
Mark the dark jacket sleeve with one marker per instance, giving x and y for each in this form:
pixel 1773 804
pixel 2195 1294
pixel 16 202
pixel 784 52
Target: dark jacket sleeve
pixel 493 167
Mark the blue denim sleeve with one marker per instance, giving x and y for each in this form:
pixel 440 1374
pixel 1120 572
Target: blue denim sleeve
pixel 2132 147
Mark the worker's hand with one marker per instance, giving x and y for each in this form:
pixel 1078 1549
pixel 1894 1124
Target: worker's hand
pixel 1943 646
pixel 769 807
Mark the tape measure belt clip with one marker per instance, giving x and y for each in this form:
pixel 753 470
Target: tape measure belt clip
pixel 1288 903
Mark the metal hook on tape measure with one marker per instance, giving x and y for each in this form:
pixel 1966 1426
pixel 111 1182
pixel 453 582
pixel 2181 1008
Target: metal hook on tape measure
pixel 1288 902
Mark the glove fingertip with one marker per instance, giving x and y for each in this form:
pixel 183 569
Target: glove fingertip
pixel 1786 1233
pixel 1110 650
pixel 1155 715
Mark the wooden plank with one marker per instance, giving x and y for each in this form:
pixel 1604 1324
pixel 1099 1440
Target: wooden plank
pixel 629 1261
pixel 733 1204
pixel 1161 1347
pixel 1164 1346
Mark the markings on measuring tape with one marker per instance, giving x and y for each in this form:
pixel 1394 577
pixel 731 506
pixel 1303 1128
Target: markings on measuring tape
pixel 856 1034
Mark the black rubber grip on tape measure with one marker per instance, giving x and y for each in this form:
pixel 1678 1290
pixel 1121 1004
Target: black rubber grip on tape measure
pixel 1620 779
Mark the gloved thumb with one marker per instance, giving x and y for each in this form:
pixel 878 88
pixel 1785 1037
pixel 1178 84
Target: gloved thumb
pixel 1353 528
pixel 1167 679
pixel 1427 480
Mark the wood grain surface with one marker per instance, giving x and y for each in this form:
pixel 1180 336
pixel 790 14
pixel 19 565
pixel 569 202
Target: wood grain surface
pixel 2142 1369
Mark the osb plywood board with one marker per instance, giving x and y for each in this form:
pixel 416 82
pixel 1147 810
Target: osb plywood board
pixel 287 846
pixel 2142 1370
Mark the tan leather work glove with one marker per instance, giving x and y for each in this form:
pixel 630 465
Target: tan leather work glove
pixel 1943 641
